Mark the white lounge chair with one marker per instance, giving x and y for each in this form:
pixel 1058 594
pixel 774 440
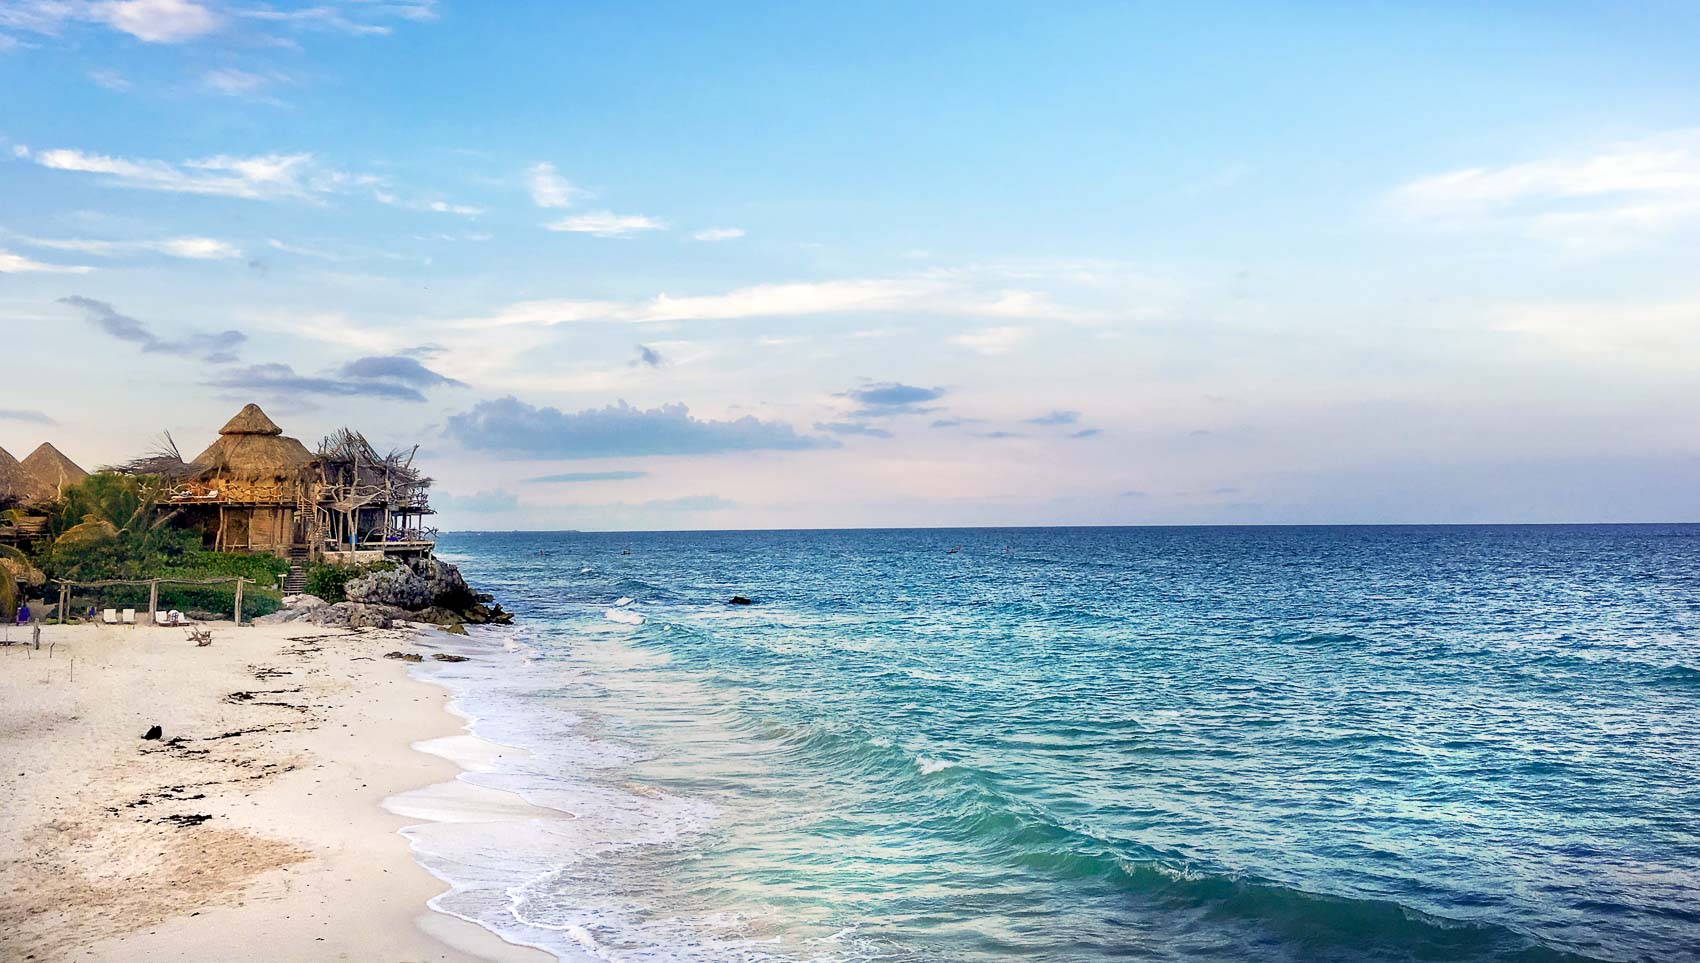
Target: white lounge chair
pixel 109 616
pixel 130 617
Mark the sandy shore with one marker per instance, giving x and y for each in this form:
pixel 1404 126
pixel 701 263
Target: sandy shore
pixel 254 830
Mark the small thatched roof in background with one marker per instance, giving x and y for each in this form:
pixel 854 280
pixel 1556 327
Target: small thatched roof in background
pixel 250 421
pixel 252 448
pixel 16 483
pixel 51 470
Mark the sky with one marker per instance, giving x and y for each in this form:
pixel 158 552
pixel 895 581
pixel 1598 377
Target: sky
pixel 705 266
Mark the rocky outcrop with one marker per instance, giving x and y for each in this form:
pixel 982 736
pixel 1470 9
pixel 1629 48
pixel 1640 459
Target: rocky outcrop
pixel 429 591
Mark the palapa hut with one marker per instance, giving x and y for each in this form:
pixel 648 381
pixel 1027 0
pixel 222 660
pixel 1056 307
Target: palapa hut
pixel 246 492
pixel 16 484
pixel 51 470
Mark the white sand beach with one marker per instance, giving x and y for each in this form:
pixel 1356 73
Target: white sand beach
pixel 254 829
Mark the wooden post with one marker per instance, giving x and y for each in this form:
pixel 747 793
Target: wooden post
pixel 153 602
pixel 64 602
pixel 239 582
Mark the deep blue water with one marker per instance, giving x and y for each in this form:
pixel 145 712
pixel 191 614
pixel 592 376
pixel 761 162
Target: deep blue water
pixel 1361 743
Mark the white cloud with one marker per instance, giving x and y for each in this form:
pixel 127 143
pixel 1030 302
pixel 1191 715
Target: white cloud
pixel 550 189
pixel 18 264
pixel 443 207
pixel 240 83
pixel 159 21
pixel 189 248
pixel 933 295
pixel 111 80
pixel 261 177
pixel 358 18
pixel 719 234
pixel 607 224
pixel 1603 198
pixel 1001 340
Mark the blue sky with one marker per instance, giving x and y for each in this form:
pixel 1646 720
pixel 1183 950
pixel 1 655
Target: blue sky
pixel 723 265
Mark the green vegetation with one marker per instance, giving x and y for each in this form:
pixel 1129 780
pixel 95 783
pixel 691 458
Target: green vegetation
pixel 330 582
pixel 104 528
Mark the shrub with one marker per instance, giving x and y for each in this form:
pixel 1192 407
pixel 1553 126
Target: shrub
pixel 330 581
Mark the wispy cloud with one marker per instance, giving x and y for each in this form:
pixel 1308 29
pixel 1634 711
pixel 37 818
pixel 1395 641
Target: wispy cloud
pixel 719 234
pixel 277 380
pixel 398 368
pixel 549 189
pixel 233 82
pixel 892 398
pixel 359 18
pixel 508 426
pixel 18 264
pixel 111 80
pixel 159 21
pixel 851 428
pixel 27 415
pixel 1056 418
pixel 1607 196
pixel 151 21
pixel 649 357
pixel 577 477
pixel 993 341
pixel 188 248
pixel 925 294
pixel 258 177
pixel 607 224
pixel 216 346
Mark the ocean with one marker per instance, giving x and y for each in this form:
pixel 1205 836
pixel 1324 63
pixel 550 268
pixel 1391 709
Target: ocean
pixel 1271 744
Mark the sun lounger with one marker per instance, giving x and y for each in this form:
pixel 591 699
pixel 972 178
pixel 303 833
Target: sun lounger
pixel 109 616
pixel 130 617
pixel 173 618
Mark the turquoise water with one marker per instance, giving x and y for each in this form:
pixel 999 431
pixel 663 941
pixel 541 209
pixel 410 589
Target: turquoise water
pixel 1422 743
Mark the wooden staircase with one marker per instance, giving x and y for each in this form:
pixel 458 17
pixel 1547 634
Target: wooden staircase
pixel 295 582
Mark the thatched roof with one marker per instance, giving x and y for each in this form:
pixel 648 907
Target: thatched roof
pixel 252 448
pixel 51 470
pixel 16 483
pixel 250 421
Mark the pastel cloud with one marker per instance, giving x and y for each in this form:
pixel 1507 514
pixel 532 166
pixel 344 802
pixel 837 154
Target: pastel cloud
pixel 549 189
pixel 18 264
pixel 508 426
pixel 188 248
pixel 216 347
pixel 921 294
pixel 1606 195
pixel 607 224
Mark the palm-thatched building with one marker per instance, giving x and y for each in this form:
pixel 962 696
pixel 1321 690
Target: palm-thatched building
pixel 256 489
pixel 51 471
pixel 245 491
pixel 17 486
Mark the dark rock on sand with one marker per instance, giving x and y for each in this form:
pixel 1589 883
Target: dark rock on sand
pixel 445 657
pixel 154 732
pixel 404 656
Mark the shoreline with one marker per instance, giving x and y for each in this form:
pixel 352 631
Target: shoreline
pixel 258 828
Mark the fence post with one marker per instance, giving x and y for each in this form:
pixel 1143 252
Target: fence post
pixel 64 602
pixel 153 602
pixel 239 582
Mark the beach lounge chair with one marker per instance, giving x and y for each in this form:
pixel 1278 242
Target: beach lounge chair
pixel 109 616
pixel 130 617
